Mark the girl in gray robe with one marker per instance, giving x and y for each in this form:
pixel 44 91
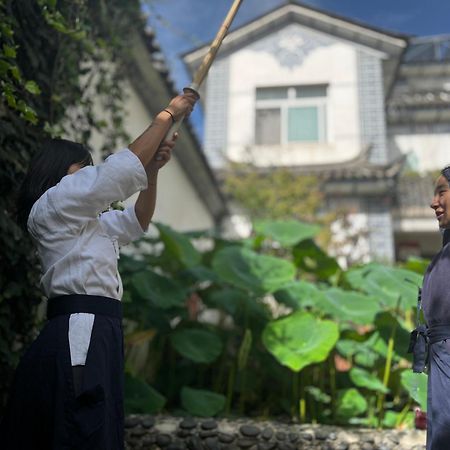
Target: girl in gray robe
pixel 436 308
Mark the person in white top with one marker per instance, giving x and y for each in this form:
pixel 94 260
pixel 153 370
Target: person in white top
pixel 68 387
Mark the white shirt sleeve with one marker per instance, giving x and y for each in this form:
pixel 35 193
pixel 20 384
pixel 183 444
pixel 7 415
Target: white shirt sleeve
pixel 122 225
pixel 82 196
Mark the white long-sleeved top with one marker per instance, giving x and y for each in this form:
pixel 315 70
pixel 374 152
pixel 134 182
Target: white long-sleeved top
pixel 78 245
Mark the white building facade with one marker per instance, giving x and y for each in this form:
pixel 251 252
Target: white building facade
pixel 305 89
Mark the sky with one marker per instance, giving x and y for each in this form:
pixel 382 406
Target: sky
pixel 182 25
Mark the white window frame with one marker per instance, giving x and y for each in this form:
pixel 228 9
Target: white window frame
pixel 291 102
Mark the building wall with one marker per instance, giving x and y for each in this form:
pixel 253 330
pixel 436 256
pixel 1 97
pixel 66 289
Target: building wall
pixel 294 56
pixel 178 203
pixel 427 146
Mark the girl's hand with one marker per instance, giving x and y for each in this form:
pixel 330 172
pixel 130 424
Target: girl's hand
pixel 163 154
pixel 182 105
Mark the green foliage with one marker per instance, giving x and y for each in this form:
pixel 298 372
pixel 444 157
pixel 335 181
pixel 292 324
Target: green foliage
pixel 350 404
pixel 287 232
pixel 300 339
pixel 200 346
pixel 278 194
pixel 141 398
pixel 201 403
pixel 416 385
pixel 56 59
pixel 247 269
pixel 263 333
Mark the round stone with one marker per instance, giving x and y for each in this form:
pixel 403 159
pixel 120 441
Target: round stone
pixel 249 431
pixel 207 433
pixel 307 436
pixel 209 424
pixel 226 438
pixel 245 443
pixel 148 422
pixel 332 436
pixel 366 446
pixel 188 423
pixel 280 436
pixel 267 445
pixel 163 440
pixel 285 446
pixel 342 446
pixel 267 433
pixel 131 421
pixel 194 443
pixel 148 439
pixel 293 437
pixel 176 446
pixel 321 435
pixel 212 443
pixel 368 438
pixel 138 431
pixel 184 433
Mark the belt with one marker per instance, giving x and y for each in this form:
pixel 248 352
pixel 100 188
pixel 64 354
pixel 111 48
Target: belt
pixel 82 303
pixel 421 338
pixel 438 333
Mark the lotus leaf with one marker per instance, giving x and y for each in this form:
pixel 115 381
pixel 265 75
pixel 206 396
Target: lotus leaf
pixel 162 292
pixel 299 294
pixel 199 402
pixel 300 339
pixel 416 385
pixel 349 306
pixel 387 283
pixel 178 246
pixel 286 232
pixel 141 398
pixel 350 403
pixel 364 379
pixel 309 257
pixel 249 270
pixel 201 346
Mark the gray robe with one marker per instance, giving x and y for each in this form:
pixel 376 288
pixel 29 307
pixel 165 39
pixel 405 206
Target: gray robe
pixel 436 308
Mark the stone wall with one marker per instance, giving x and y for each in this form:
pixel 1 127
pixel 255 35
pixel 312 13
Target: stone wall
pixel 170 433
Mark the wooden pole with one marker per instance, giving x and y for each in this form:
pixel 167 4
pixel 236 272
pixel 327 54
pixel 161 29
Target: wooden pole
pixel 202 71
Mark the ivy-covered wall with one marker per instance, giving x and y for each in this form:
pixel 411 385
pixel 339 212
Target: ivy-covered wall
pixel 49 53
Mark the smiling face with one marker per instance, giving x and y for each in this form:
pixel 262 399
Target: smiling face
pixel 441 202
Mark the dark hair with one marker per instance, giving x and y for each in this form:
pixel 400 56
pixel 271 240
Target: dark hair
pixel 446 173
pixel 46 169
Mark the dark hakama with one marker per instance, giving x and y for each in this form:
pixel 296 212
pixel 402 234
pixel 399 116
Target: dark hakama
pixel 45 413
pixel 436 306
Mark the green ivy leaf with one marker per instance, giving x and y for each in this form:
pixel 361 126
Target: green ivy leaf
pixel 32 87
pixel 9 51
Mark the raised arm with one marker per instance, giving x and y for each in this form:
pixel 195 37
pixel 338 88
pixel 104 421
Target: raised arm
pixel 146 145
pixel 145 204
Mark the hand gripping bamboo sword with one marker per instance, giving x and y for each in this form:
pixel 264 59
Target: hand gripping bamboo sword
pixel 202 71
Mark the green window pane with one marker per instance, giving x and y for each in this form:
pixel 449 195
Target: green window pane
pixel 271 93
pixel 318 90
pixel 303 124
